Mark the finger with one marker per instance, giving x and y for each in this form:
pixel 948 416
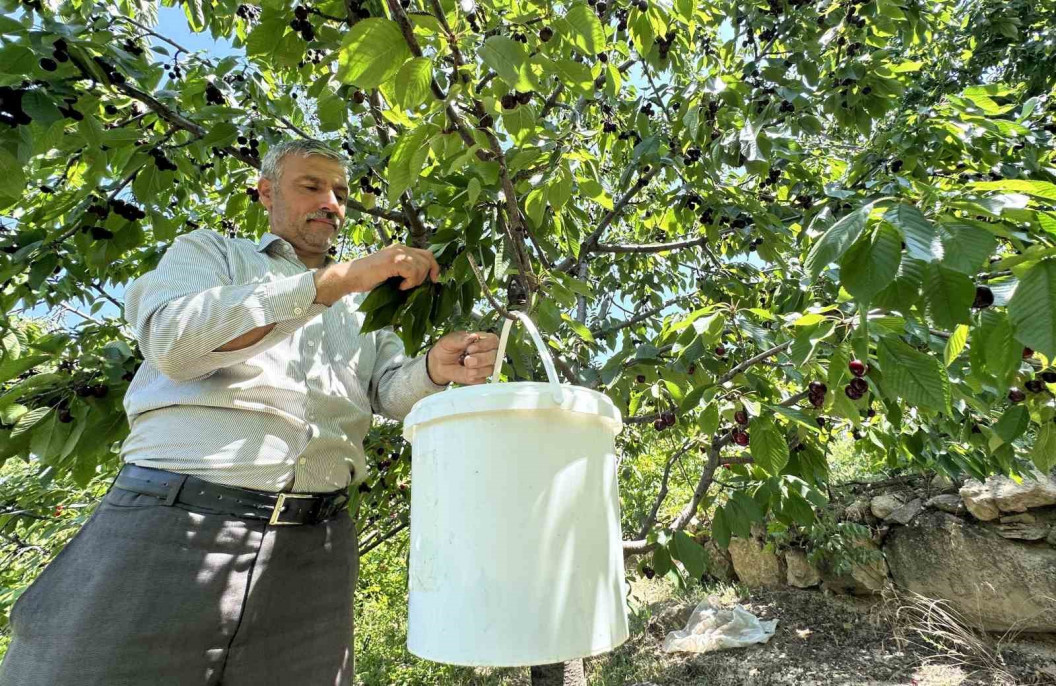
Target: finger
pixel 485 343
pixel 434 266
pixel 423 266
pixel 413 272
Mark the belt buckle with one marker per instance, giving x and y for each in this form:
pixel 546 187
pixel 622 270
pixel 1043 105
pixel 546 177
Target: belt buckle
pixel 275 511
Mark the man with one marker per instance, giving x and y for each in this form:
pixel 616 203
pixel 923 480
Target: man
pixel 224 552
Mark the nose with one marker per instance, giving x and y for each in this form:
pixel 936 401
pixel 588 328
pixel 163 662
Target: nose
pixel 331 203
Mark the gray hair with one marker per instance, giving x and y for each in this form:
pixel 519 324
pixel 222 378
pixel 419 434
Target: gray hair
pixel 271 166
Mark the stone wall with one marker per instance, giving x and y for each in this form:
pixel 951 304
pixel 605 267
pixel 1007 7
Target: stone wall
pixel 988 549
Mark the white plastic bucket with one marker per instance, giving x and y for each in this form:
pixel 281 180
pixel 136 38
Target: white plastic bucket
pixel 516 555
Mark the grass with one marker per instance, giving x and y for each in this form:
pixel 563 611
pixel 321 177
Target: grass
pixel 382 657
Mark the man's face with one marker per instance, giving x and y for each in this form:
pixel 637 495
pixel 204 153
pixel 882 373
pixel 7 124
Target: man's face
pixel 306 207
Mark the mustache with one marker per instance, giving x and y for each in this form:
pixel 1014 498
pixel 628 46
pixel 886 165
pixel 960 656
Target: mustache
pixel 325 216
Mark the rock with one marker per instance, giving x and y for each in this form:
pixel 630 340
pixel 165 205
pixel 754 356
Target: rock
pixel 719 564
pixel 1051 538
pixel 950 502
pixel 1023 518
pixel 883 505
pixel 905 514
pixel 979 500
pixel 1036 490
pixel 940 483
pixel 1023 532
pixel 673 618
pixel 994 583
pixel 801 573
pixel 1002 494
pixel 858 511
pixel 755 564
pixel 863 579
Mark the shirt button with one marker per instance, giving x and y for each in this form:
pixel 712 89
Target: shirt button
pixel 297 310
pixel 302 461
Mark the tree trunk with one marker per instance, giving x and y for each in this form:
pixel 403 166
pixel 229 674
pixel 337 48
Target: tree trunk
pixel 559 674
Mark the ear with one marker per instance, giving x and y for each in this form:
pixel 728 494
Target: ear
pixel 264 189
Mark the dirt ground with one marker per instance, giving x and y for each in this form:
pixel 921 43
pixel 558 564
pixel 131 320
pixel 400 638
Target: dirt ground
pixel 821 640
pixel 825 640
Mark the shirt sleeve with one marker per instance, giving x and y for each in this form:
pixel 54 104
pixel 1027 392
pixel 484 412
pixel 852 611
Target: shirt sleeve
pixel 397 382
pixel 188 306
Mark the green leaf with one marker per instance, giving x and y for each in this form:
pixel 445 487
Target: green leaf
pixel 372 53
pixel 966 247
pixel 904 292
pixel 10 414
pixel 472 191
pixel 1039 189
pixel 709 419
pixel 744 505
pixel 332 112
pixel 796 507
pixel 767 445
pixel 792 414
pixel 223 133
pixel 720 529
pixel 575 75
pixel 689 553
pixel 13 180
pixel 692 399
pixel 993 348
pixel 922 240
pixel 917 378
pixel 385 294
pixel 587 32
pixel 1032 308
pixel 12 367
pixel 509 59
pixel 29 420
pixel 949 295
pixel 662 560
pixel 1044 452
pixel 581 331
pixel 955 344
pixel 413 82
pixel 871 263
pixel 834 242
pixel 1012 423
pixel 48 439
pixel 266 36
pixel 407 159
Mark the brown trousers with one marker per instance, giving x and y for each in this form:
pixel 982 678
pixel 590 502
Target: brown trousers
pixel 150 594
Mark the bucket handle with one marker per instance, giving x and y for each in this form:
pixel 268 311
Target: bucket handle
pixel 548 362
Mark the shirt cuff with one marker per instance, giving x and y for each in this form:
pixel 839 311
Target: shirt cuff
pixel 289 298
pixel 420 375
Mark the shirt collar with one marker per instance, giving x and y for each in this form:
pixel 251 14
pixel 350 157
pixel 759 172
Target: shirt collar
pixel 268 238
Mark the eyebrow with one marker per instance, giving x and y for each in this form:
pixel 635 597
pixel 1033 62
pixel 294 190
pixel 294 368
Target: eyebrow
pixel 316 179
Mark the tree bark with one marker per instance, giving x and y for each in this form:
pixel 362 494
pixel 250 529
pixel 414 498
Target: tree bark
pixel 559 674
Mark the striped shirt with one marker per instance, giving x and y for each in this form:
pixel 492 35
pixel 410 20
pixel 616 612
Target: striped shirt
pixel 288 413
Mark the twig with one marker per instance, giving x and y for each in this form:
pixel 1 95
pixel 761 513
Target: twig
pixel 650 520
pixel 81 314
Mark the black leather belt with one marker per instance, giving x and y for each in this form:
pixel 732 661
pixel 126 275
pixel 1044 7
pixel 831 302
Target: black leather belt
pixel 206 496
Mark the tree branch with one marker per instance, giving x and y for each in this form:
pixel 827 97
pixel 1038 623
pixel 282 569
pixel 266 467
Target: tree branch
pixel 651 247
pixel 650 520
pixel 641 317
pixel 591 241
pixel 642 545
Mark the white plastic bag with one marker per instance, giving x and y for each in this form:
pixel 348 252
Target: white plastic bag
pixel 712 628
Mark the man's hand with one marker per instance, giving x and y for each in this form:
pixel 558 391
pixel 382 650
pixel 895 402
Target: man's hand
pixel 463 357
pixel 414 265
